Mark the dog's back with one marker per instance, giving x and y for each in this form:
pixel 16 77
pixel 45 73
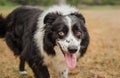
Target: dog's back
pixel 18 24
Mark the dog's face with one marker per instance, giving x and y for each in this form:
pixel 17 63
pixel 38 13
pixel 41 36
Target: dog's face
pixel 69 32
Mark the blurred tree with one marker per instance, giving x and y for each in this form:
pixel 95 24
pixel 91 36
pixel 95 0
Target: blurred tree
pixel 73 2
pixel 51 2
pixel 5 2
pixel 62 1
pixel 97 2
pixel 34 2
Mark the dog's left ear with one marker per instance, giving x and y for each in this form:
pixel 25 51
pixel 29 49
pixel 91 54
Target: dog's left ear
pixel 50 18
pixel 79 16
pixel 84 43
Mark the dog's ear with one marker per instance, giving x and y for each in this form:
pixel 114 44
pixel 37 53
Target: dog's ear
pixel 50 18
pixel 79 16
pixel 84 44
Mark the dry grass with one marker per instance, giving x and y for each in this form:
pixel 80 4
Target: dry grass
pixel 102 59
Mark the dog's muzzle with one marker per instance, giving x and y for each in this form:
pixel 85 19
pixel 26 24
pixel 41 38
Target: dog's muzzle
pixel 72 49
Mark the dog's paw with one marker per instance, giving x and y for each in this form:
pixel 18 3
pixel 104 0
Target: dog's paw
pixel 23 72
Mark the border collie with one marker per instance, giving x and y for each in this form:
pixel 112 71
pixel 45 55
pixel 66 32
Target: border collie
pixel 46 39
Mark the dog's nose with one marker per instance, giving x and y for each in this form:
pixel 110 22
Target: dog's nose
pixel 72 49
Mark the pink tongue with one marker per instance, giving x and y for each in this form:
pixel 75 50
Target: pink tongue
pixel 70 60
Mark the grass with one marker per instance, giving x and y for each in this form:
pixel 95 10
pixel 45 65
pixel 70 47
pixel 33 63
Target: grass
pixel 102 59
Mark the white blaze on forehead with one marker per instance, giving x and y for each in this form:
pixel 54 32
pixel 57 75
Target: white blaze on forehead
pixel 69 22
pixel 70 37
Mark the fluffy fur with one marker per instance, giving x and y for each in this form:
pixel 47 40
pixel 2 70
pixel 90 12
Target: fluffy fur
pixel 43 38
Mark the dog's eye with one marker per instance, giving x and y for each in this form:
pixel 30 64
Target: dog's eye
pixel 61 33
pixel 78 33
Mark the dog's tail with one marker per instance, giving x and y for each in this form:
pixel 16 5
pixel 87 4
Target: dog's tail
pixel 2 27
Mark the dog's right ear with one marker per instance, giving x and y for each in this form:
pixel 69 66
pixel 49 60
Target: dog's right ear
pixel 50 18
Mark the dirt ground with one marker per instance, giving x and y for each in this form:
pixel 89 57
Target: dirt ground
pixel 102 59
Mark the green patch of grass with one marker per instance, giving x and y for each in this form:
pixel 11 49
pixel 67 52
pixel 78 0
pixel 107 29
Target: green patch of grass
pixel 8 7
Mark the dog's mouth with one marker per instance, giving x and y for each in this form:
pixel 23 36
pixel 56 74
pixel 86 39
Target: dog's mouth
pixel 70 59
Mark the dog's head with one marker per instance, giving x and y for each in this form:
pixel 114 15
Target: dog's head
pixel 69 32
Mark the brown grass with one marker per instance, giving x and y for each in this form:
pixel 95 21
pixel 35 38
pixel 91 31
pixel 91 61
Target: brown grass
pixel 102 59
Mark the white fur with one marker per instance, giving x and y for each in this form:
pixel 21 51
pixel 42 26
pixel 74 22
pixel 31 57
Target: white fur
pixel 64 73
pixel 62 9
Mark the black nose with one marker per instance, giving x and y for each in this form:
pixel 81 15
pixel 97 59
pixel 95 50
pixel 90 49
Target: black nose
pixel 72 49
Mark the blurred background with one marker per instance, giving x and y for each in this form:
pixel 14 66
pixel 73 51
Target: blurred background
pixel 102 59
pixel 50 2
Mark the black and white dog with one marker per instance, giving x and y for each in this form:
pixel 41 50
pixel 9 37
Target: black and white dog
pixel 54 38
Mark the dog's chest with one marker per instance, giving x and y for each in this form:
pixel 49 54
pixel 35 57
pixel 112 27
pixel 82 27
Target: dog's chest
pixel 56 63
